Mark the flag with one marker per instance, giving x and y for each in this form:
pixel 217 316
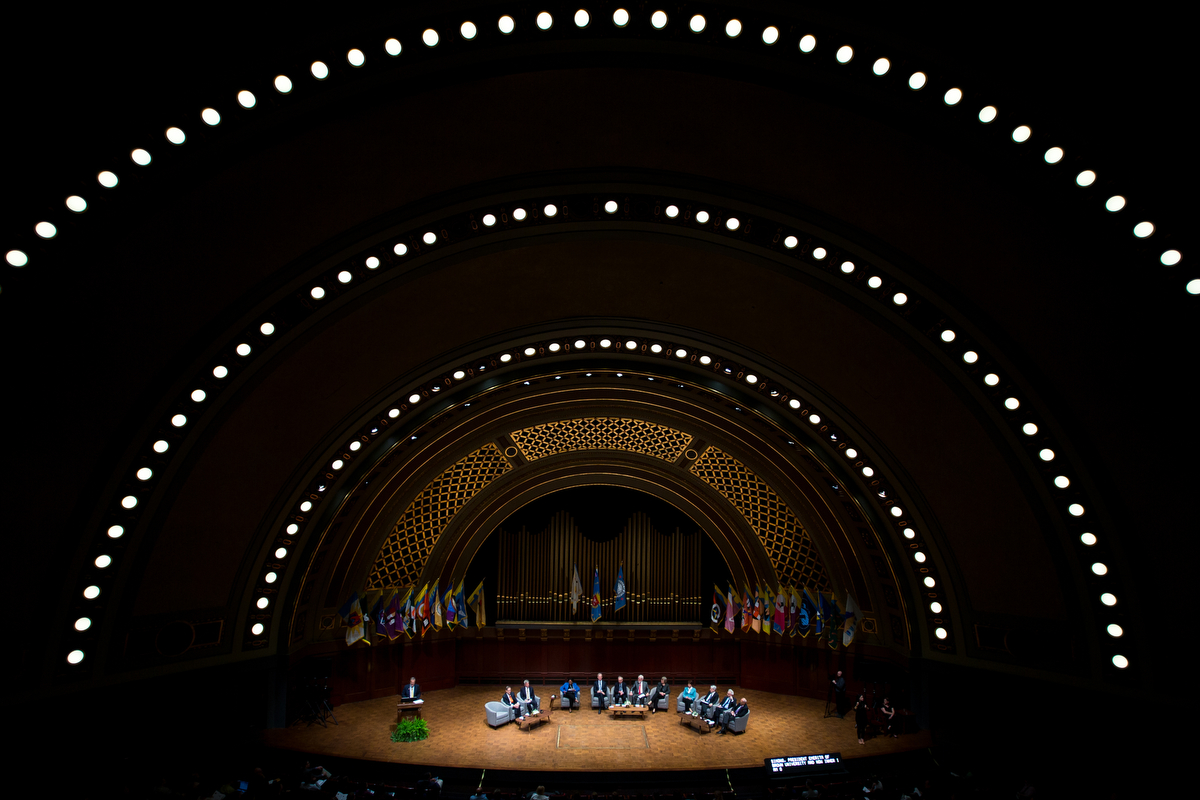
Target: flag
pixel 421 610
pixel 793 611
pixel 435 607
pixel 404 622
pixel 731 603
pixel 355 627
pixel 460 603
pixel 576 590
pixel 390 615
pixel 747 607
pixel 756 619
pixel 810 620
pixel 596 595
pixel 475 601
pixel 619 588
pixel 779 604
pixel 716 611
pixel 853 616
pixel 832 617
pixel 451 609
pixel 376 614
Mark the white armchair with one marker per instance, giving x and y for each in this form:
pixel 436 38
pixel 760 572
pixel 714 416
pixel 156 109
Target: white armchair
pixel 499 714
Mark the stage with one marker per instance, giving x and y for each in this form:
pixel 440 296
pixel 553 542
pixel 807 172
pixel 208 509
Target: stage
pixel 583 740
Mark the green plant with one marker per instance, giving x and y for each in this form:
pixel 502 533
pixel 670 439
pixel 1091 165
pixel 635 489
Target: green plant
pixel 410 730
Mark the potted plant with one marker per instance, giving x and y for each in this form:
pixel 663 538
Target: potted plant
pixel 410 730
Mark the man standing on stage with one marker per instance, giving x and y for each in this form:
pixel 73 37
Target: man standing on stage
pixel 839 694
pixel 412 691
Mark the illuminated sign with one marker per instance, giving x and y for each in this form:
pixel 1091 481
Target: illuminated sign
pixel 788 766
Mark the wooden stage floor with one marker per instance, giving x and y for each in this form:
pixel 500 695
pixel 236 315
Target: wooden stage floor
pixel 459 736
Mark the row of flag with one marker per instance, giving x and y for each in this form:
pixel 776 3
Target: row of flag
pixel 413 613
pixel 618 591
pixel 798 612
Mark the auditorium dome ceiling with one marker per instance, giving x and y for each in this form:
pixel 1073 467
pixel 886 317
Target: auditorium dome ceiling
pixel 1002 361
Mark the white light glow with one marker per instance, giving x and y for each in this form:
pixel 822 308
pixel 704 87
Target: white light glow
pixel 881 66
pixel 1120 662
pixel 790 242
pixel 1029 428
pixel 82 624
pixel 1021 133
pixel 948 335
pixel 1088 538
pixel 317 292
pixel 751 379
pixel 91 592
pixel 850 452
pixel 582 18
pixel 733 223
pixel 770 34
pixel 659 19
pixel 459 375
pixel 77 204
pixel 1099 568
pixel 545 21
pixel 283 84
pixel 519 214
pixel 620 18
pixel 393 413
pixel 179 420
pixel 338 464
pixel 256 628
pixel 702 217
pixel 657 348
pixel 940 633
pixel 808 43
pixel 210 117
pixel 356 57
pixel 243 349
pixel 103 562
pixel 319 70
pixel 115 532
pixel 306 506
pixel 819 253
pixel 631 345
pixel 128 501
pixel 140 157
pixel 281 552
pixel 1062 481
pixel 354 446
pixel 429 237
pixel 262 602
pixel 293 528
pixel 697 23
pixel 550 210
pixel 987 114
pixel 1053 155
pixel 991 379
pixel 970 356
pixel 733 28
pixel 935 607
pixel 1143 229
pixel 705 360
pixel 554 347
pixel 1086 178
pixel 1114 203
pixel 930 582
pixel 198 396
pixel 916 81
pixel 266 329
pixel 909 533
pixel 393 48
pixel 506 358
pixel 1075 509
pixel 672 211
pixel 953 97
pixel 107 179
pixel 430 37
pixel 414 398
pixel 793 403
pixel 845 53
pixel 1193 286
pixel 1012 403
pixel 681 353
pixel 246 99
pixel 506 24
pixel 815 419
pixel 489 220
pixel 344 277
pixel 74 657
pixel 1115 630
pixel 45 230
pixel 897 511
pixel 874 281
pixel 1046 454
pixel 270 577
pixel 1170 258
pixel 868 471
pixel 611 207
pixel 144 474
pixel 1108 598
pixel 899 298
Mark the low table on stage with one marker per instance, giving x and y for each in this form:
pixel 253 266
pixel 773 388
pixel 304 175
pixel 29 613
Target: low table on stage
pixel 695 723
pixel 533 720
pixel 629 711
pixel 407 709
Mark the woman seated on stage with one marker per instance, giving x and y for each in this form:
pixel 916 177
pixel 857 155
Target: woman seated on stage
pixel 861 708
pixel 570 691
pixel 689 696
pixel 662 690
pixel 889 717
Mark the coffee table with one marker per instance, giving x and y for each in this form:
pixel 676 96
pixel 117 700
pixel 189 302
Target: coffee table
pixel 404 709
pixel 696 723
pixel 629 711
pixel 533 720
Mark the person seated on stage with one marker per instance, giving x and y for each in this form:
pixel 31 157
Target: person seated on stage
pixel 663 689
pixel 620 691
pixel 411 692
pixel 529 703
pixel 889 715
pixel 689 696
pixel 640 691
pixel 727 703
pixel 600 691
pixel 570 692
pixel 509 699
pixel 704 705
pixel 740 710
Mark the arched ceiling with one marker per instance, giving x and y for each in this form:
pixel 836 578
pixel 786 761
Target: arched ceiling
pixel 150 294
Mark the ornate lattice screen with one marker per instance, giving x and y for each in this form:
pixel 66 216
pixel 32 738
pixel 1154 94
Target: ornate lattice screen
pixel 787 543
pixel 406 549
pixel 601 433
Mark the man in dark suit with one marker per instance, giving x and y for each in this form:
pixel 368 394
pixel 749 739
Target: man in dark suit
pixel 740 710
pixel 600 692
pixel 509 699
pixel 620 691
pixel 703 705
pixel 641 691
pixel 727 703
pixel 412 691
pixel 529 703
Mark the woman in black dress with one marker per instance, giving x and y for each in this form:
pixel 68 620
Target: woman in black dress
pixel 889 717
pixel 860 717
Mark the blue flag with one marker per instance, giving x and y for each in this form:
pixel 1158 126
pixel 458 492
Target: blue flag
pixel 619 602
pixel 596 596
pixel 460 603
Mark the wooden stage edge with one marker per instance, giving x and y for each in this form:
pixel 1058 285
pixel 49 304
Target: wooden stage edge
pixel 583 741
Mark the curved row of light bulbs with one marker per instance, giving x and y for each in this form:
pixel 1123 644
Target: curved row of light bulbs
pixel 621 18
pixel 544 20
